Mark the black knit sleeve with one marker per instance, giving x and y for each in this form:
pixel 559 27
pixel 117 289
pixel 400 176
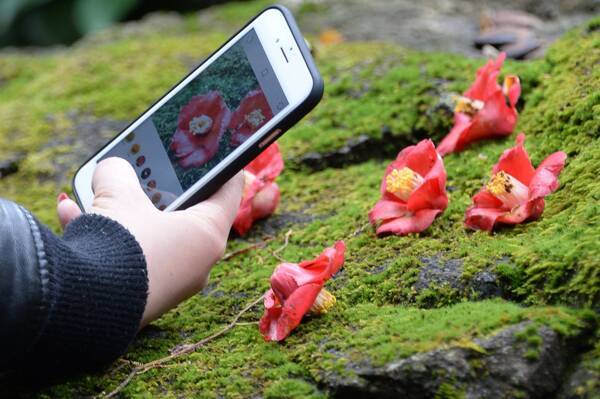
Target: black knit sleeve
pixel 94 287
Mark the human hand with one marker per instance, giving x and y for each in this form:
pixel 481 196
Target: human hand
pixel 180 247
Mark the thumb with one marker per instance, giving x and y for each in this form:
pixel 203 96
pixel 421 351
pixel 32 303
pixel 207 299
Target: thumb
pixel 115 179
pixel 67 209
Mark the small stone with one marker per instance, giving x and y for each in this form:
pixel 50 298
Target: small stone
pixel 522 48
pixel 495 38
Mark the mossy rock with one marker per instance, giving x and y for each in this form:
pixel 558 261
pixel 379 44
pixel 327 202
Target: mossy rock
pixel 399 299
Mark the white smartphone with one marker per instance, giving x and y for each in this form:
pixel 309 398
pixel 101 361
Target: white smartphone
pixel 219 117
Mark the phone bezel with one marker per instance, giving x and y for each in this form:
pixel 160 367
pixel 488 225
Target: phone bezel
pixel 274 27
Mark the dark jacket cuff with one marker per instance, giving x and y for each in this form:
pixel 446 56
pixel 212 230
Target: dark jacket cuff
pixel 95 286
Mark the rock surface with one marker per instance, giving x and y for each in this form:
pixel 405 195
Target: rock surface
pixel 495 367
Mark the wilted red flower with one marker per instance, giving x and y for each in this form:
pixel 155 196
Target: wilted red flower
pixel 516 191
pixel 200 125
pixel 252 113
pixel 297 289
pixel 485 110
pixel 261 193
pixel 413 191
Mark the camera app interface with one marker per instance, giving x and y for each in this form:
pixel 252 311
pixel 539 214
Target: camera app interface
pixel 204 122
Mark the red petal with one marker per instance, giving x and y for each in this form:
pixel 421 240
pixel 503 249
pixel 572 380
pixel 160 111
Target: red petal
pixel 409 224
pixel 241 129
pixel 420 157
pixel 482 218
pixel 386 209
pixel 243 219
pixel 210 104
pixel 192 150
pixel 486 80
pixel 496 119
pixel 448 143
pixel 197 158
pixel 268 164
pixel 514 92
pixel 266 167
pixel 181 145
pixel 531 210
pixel 325 265
pixel 545 179
pixel 483 199
pixel 487 218
pixel 277 325
pixel 515 161
pixel 284 280
pixel 431 194
pixel 265 201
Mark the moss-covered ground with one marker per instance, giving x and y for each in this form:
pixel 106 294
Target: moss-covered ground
pixel 548 270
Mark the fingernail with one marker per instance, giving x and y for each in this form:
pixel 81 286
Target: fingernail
pixel 61 197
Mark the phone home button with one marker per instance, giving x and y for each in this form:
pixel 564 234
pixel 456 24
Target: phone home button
pixel 267 140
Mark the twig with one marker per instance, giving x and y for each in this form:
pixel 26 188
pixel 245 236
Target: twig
pixel 259 244
pixel 285 244
pixel 359 230
pixel 142 368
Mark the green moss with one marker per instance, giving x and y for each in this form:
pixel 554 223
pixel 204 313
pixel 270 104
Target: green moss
pixel 448 391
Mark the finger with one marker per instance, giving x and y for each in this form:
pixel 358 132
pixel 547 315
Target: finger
pixel 115 177
pixel 66 209
pixel 223 205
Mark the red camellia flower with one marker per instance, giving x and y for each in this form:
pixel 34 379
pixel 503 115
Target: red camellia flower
pixel 486 110
pixel 252 113
pixel 516 191
pixel 200 125
pixel 261 193
pixel 413 191
pixel 297 289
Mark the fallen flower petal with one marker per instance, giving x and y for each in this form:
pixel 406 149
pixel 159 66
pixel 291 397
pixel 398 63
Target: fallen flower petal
pixel 261 193
pixel 297 289
pixel 200 125
pixel 486 110
pixel 413 191
pixel 252 113
pixel 516 191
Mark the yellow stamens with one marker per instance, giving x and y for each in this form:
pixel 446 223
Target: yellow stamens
pixel 325 301
pixel 509 82
pixel 200 125
pixel 255 118
pixel 507 189
pixel 467 106
pixel 402 182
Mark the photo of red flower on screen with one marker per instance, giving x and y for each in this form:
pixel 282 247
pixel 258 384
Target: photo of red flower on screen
pixel 252 113
pixel 200 126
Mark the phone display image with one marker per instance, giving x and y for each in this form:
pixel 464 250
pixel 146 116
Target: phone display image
pixel 198 127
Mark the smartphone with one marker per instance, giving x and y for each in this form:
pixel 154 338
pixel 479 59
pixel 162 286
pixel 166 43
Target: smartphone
pixel 219 117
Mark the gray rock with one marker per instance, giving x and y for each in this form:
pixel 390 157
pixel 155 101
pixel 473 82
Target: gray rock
pixel 500 370
pixel 355 150
pixel 87 135
pixel 486 285
pixel 438 272
pixel 583 383
pixel 10 164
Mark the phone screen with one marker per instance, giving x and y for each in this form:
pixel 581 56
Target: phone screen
pixel 204 122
